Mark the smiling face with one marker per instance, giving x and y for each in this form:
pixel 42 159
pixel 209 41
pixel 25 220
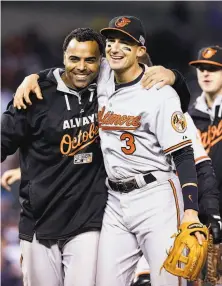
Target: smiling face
pixel 210 79
pixel 122 51
pixel 82 62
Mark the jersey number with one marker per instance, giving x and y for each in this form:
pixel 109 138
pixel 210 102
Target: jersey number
pixel 130 143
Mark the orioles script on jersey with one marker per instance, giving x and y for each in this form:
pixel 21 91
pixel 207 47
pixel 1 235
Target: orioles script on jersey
pixel 210 137
pixel 112 121
pixel 86 134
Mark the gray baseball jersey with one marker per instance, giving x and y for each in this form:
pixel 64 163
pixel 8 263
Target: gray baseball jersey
pixel 139 128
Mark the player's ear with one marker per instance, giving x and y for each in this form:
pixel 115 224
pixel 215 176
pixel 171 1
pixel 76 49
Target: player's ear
pixel 64 58
pixel 101 57
pixel 141 51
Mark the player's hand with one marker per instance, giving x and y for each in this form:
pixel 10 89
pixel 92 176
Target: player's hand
pixel 10 177
pixel 192 217
pixel 29 84
pixel 157 74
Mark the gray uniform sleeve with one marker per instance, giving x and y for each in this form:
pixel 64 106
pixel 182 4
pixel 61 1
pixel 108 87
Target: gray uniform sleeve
pixel 169 123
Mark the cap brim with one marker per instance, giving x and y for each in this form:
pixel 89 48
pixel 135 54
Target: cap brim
pixel 106 31
pixel 198 62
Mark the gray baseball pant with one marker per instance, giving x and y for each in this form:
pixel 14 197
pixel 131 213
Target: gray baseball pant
pixel 45 263
pixel 143 219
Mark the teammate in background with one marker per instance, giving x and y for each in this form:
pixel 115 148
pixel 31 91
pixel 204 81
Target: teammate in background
pixel 207 110
pixel 10 177
pixel 141 131
pixel 48 191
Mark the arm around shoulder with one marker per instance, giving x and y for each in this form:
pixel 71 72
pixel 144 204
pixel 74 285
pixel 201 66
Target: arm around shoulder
pixel 182 89
pixel 30 85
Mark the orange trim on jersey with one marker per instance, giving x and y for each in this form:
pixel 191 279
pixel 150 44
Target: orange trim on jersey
pixel 21 260
pixel 176 202
pixel 117 128
pixel 202 158
pixel 181 144
pixel 178 215
pixel 143 272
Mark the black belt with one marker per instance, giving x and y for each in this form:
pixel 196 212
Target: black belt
pixel 128 186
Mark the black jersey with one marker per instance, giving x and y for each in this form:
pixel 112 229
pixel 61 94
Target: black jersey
pixel 209 124
pixel 62 190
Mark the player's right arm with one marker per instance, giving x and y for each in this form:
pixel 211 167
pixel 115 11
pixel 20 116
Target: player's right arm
pixel 161 76
pixel 14 130
pixel 30 85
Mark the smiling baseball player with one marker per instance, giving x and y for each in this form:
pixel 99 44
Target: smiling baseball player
pixel 141 130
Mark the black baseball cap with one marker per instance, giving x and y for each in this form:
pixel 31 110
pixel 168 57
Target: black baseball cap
pixel 128 25
pixel 210 55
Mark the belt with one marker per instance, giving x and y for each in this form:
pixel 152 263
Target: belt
pixel 128 186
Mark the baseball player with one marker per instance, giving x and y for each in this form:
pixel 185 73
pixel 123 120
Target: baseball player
pixel 141 131
pixel 62 190
pixel 207 110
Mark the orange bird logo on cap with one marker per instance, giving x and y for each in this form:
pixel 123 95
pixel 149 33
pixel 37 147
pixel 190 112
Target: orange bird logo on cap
pixel 122 22
pixel 208 53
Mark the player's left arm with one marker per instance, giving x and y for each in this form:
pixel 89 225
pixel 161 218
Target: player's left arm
pixel 162 76
pixel 173 136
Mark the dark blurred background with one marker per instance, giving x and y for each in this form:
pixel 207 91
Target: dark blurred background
pixel 32 36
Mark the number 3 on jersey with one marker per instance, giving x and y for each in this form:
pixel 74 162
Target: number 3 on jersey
pixel 130 143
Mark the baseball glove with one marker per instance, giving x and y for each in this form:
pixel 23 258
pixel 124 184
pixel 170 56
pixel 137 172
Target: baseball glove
pixel 211 270
pixel 187 257
pixel 212 263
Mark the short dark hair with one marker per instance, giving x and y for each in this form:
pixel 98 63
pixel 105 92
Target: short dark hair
pixel 145 59
pixel 83 35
